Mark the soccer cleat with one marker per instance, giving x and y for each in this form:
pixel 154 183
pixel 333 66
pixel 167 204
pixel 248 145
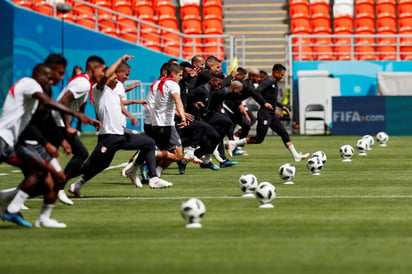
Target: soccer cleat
pixel 240 152
pixel 209 165
pixel 228 163
pixel 49 223
pixel 126 168
pixel 16 218
pixel 182 167
pixel 76 192
pixel 156 182
pixel 134 178
pixel 189 156
pixel 24 207
pixel 197 160
pixel 301 157
pixel 63 197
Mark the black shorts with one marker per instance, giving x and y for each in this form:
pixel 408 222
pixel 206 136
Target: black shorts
pixel 6 152
pixel 41 150
pixel 166 137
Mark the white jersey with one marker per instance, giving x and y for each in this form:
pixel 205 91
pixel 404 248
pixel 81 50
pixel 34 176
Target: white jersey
pixel 80 87
pixel 108 109
pixel 150 98
pixel 18 109
pixel 119 89
pixel 163 112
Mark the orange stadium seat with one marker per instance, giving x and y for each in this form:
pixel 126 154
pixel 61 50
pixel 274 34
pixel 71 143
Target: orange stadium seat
pixel 386 51
pixel 323 49
pixel 215 50
pixel 190 11
pixel 299 8
pixel 302 50
pixel 122 6
pixel 109 31
pixel 406 49
pixel 106 21
pixel 343 49
pixel 365 23
pixel 386 23
pixel 404 8
pixel 169 24
pixel 212 12
pixel 320 24
pixel 405 24
pixel 343 24
pixel 68 17
pixel 172 49
pixel 364 53
pixel 86 21
pixel 364 7
pixel 143 10
pixel 128 33
pixel 81 9
pixel 192 26
pixel 319 9
pixel 212 26
pixel 300 24
pixel 190 49
pixel 24 3
pixel 165 9
pixel 385 7
pixel 212 2
pixel 151 45
pixel 43 7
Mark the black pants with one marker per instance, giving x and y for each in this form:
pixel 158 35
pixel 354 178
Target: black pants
pixel 80 154
pixel 109 144
pixel 268 119
pixel 238 118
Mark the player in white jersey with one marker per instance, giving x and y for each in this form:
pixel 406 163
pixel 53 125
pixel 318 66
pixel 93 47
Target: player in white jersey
pixel 113 136
pixel 73 96
pixel 18 108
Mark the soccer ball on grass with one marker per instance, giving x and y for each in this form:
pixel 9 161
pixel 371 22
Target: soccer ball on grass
pixel 248 184
pixel 287 172
pixel 266 192
pixel 193 211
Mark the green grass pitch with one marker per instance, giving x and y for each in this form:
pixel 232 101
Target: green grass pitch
pixel 354 218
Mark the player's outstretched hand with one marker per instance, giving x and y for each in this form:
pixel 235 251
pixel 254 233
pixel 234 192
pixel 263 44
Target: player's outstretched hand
pixel 87 120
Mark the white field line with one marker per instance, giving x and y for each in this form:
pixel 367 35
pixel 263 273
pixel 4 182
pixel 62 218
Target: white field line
pixel 241 198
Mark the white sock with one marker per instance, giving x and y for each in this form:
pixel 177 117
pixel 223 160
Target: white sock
pixel 158 171
pixel 79 183
pixel 45 211
pixel 17 201
pixel 206 160
pixel 240 142
pixel 293 151
pixel 217 155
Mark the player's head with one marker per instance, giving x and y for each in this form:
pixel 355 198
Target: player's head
pixel 187 67
pixel 278 72
pixel 262 76
pixel 77 70
pixel 216 80
pixel 213 64
pixel 173 61
pixel 123 72
pixel 165 70
pixel 253 75
pixel 198 62
pixel 95 66
pixel 43 75
pixel 176 73
pixel 57 63
pixel 240 74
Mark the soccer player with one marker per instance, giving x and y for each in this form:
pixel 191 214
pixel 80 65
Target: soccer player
pixel 268 115
pixel 74 95
pixel 19 106
pixel 113 136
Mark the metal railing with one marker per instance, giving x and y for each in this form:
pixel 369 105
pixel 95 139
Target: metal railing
pixel 148 34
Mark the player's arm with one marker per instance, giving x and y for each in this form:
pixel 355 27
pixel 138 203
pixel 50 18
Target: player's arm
pixel 134 102
pixel 132 86
pixel 126 113
pixel 179 108
pixel 65 101
pixel 257 94
pixel 243 110
pixel 46 100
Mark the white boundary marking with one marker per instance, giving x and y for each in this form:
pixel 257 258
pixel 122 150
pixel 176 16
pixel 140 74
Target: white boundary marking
pixel 241 198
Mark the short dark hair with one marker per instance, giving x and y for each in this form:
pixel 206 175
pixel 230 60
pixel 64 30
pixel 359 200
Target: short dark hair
pixel 262 72
pixel 94 60
pixel 55 59
pixel 174 68
pixel 185 64
pixel 165 67
pixel 196 58
pixel 241 70
pixel 278 67
pixel 211 60
pixel 123 66
pixel 38 69
pixel 173 60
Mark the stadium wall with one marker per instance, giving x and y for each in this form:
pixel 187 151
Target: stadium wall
pixel 357 78
pixel 28 37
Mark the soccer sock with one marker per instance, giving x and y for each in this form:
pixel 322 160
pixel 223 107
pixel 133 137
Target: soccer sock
pixel 293 151
pixel 240 142
pixel 158 171
pixel 45 211
pixel 17 202
pixel 206 160
pixel 79 183
pixel 217 155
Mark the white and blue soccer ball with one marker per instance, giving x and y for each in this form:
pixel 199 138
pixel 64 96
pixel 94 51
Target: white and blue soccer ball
pixel 321 155
pixel 193 210
pixel 370 140
pixel 314 164
pixel 265 192
pixel 362 145
pixel 248 183
pixel 382 138
pixel 287 172
pixel 346 151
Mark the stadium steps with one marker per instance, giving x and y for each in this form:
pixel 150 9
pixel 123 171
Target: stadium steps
pixel 262 24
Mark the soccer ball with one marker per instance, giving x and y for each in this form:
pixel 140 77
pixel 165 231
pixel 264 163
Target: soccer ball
pixel 346 151
pixel 193 210
pixel 321 155
pixel 248 183
pixel 369 139
pixel 382 138
pixel 265 192
pixel 287 172
pixel 362 146
pixel 314 164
